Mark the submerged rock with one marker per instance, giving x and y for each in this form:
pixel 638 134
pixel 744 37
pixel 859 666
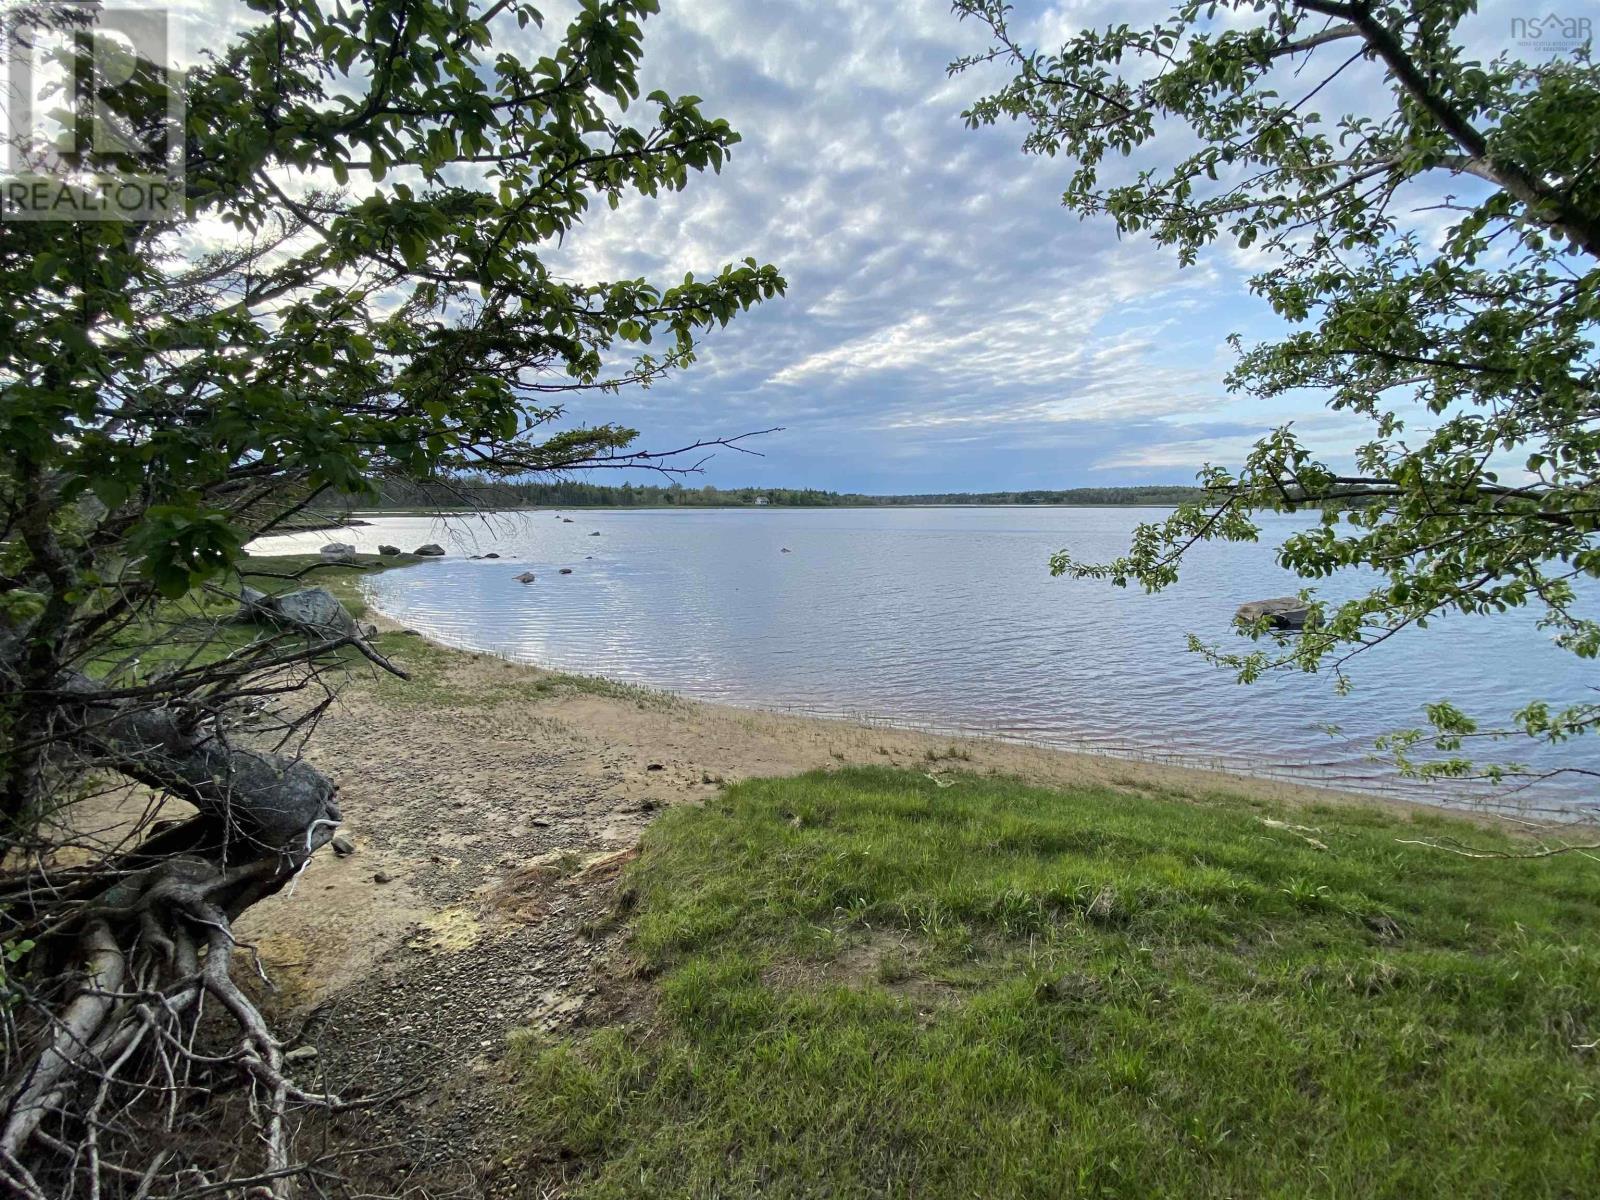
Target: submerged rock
pixel 565 571
pixel 526 577
pixel 1281 612
pixel 430 550
pixel 491 554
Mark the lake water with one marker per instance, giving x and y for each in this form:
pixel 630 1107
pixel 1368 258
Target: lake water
pixel 947 618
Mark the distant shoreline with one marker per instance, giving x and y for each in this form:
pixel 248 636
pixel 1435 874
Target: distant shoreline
pixel 358 516
pixel 475 492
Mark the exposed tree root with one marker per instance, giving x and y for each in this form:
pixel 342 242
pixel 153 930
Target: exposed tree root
pixel 106 1072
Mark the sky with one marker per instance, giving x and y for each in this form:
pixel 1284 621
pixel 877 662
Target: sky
pixel 948 325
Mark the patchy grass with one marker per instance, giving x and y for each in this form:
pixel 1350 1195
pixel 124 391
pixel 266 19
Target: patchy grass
pixel 447 678
pixel 864 984
pixel 199 628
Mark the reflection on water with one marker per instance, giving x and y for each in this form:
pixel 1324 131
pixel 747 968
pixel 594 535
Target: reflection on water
pixel 946 618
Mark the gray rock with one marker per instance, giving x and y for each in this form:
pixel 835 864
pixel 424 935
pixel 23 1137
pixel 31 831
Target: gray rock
pixel 596 533
pixel 314 609
pixel 382 877
pixel 388 549
pixel 564 571
pixel 343 846
pixel 430 550
pixel 338 552
pixel 1281 612
pixel 526 577
pixel 491 554
pixel 311 610
pixel 251 601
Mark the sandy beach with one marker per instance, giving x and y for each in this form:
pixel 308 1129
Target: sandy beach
pixel 490 805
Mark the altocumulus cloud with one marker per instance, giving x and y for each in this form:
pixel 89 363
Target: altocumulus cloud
pixel 948 324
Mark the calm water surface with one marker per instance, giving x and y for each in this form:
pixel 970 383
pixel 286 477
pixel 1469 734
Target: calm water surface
pixel 946 618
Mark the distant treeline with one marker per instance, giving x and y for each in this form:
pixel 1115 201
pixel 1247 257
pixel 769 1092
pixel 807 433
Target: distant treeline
pixel 494 493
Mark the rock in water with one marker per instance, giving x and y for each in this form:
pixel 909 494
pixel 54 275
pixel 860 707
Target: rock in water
pixel 431 550
pixel 388 549
pixel 491 554
pixel 1282 612
pixel 338 552
pixel 596 533
pixel 565 571
pixel 526 577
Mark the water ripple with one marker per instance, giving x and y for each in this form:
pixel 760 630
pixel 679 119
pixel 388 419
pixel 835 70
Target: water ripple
pixel 946 619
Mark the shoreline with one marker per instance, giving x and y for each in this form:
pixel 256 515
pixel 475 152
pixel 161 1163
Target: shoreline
pixel 1067 765
pixel 491 806
pixel 479 767
pixel 1300 787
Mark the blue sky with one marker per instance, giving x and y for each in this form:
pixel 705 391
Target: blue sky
pixel 948 326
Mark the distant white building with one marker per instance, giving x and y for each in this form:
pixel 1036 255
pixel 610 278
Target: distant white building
pixel 762 500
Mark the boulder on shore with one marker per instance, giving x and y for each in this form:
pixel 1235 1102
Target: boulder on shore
pixel 314 610
pixel 1281 612
pixel 430 550
pixel 250 604
pixel 311 610
pixel 388 549
pixel 338 552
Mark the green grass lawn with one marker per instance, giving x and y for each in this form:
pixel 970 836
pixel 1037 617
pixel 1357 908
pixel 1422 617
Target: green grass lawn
pixel 862 984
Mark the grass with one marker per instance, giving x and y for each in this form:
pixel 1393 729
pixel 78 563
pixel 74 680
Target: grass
pixel 199 628
pixel 865 984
